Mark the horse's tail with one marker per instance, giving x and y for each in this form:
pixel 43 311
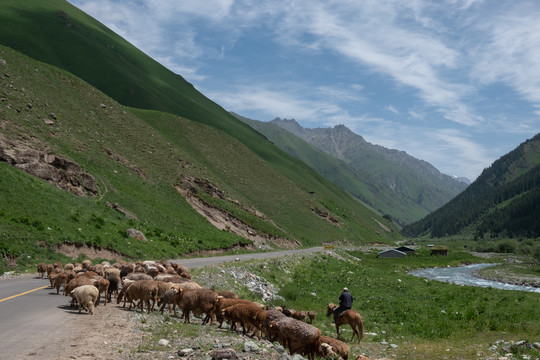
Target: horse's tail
pixel 360 324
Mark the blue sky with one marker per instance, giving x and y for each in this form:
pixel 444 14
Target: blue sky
pixel 455 83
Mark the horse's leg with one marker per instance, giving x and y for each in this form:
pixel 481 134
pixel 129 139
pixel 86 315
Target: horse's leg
pixel 355 332
pixel 337 329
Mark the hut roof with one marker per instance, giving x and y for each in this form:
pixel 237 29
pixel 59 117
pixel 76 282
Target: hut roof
pixel 405 249
pixel 440 247
pixel 391 251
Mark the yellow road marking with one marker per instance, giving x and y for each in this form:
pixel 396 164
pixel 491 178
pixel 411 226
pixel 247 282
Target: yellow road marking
pixel 14 296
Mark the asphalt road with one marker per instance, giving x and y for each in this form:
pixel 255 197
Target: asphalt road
pixel 31 313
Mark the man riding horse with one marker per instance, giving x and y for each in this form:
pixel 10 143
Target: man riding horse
pixel 345 303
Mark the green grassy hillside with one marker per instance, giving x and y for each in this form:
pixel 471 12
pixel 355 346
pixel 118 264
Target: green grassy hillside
pixel 59 34
pixel 137 158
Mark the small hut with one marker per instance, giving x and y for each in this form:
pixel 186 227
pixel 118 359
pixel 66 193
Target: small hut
pixel 407 250
pixel 439 250
pixel 391 253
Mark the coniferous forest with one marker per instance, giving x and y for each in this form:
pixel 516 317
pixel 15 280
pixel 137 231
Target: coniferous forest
pixel 503 202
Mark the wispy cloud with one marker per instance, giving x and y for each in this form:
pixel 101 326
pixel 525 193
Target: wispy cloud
pixel 512 53
pixel 392 109
pixel 288 100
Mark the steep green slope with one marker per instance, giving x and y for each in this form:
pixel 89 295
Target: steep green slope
pixel 503 201
pixel 138 159
pixel 59 34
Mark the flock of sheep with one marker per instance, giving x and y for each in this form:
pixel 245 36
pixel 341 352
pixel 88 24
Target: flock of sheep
pixel 169 284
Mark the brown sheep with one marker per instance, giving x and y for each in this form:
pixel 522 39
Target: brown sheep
pixel 119 263
pixel 86 264
pixel 58 265
pixel 98 269
pixel 87 274
pixel 223 303
pixel 162 289
pixel 272 315
pixel 249 316
pixel 111 270
pixel 139 276
pixel 168 299
pixel 295 314
pixel 228 294
pixel 52 277
pixel 198 301
pixel 152 271
pixel 69 266
pixel 144 291
pixel 182 271
pixel 128 267
pixel 86 296
pixel 179 268
pixel 50 269
pixel 329 347
pixel 122 294
pixel 298 315
pixel 185 275
pixel 311 316
pixel 60 280
pixel 70 275
pixel 41 269
pixel 76 282
pixel 297 336
pixel 103 287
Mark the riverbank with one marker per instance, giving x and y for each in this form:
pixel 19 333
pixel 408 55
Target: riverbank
pixel 513 269
pixel 515 274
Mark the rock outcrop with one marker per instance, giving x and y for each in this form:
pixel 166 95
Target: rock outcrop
pixel 59 171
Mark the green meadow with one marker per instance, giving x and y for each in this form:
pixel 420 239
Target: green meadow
pixel 425 319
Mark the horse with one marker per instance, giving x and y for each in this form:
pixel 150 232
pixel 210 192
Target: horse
pixel 350 317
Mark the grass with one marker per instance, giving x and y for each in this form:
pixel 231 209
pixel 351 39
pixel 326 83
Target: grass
pixel 425 319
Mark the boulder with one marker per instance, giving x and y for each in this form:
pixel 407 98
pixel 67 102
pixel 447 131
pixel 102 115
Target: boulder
pixel 136 234
pixel 221 354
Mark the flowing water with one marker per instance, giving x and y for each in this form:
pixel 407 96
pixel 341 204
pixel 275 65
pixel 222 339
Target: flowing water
pixel 464 275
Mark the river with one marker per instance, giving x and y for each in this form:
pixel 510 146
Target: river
pixel 464 275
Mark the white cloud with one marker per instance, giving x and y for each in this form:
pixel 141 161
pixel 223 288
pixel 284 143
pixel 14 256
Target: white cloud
pixel 512 53
pixel 372 34
pixel 283 100
pixel 392 109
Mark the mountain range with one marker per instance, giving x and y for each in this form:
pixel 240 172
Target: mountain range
pixel 390 181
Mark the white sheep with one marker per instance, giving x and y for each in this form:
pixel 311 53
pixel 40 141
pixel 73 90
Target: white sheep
pixel 86 296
